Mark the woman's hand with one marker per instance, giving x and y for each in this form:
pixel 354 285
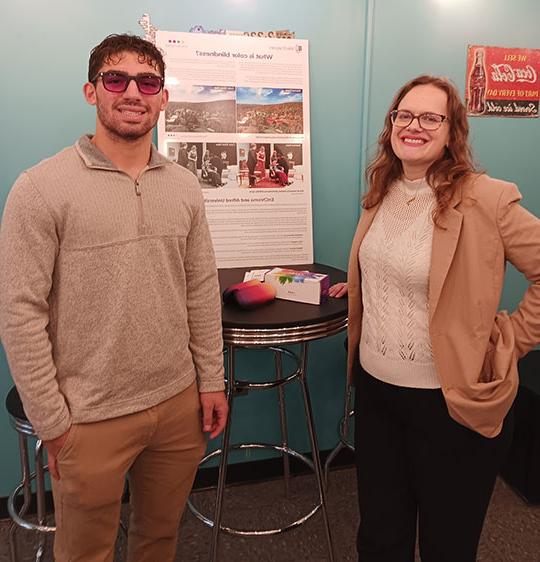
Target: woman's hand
pixel 338 290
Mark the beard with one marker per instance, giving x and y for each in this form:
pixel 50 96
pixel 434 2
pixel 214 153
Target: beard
pixel 122 130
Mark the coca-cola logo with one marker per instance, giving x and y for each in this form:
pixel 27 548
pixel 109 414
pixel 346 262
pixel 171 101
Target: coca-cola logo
pixel 507 73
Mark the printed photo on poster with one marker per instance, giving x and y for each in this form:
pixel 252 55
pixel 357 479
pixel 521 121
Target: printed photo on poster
pixel 273 165
pixel 213 164
pixel 201 109
pixel 219 164
pixel 186 154
pixel 269 110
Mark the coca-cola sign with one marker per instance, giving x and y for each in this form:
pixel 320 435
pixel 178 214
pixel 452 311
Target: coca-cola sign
pixel 502 82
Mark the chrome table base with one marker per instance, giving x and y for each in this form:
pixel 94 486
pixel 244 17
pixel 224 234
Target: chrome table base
pixel 314 462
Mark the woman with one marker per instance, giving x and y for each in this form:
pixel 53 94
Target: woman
pixel 283 163
pixel 209 172
pixel 261 163
pixel 192 160
pixel 433 361
pixel 276 171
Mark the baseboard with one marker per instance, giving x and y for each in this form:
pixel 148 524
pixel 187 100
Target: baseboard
pixel 238 473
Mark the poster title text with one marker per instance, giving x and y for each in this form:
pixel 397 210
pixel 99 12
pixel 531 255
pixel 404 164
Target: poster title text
pixel 234 55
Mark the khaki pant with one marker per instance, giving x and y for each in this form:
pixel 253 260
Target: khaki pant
pixel 159 448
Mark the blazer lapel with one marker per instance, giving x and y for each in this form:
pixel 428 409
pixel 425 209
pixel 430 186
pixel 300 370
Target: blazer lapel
pixel 366 218
pixel 442 253
pixel 365 222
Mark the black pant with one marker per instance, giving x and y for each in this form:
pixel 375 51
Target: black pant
pixel 416 465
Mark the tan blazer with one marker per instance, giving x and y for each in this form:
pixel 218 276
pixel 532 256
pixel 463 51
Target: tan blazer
pixel 475 347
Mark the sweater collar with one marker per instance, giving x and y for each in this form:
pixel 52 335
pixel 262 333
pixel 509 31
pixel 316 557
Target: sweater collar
pixel 94 158
pixel 455 200
pixel 415 188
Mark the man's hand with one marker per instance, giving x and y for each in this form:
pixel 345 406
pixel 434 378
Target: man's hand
pixel 338 290
pixel 53 448
pixel 214 412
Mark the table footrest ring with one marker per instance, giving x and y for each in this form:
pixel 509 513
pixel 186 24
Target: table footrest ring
pixel 258 532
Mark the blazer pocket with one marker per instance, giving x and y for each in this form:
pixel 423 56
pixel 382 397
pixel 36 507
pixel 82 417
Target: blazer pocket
pixel 487 373
pixel 500 359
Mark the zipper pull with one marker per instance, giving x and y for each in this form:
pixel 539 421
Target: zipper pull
pixel 137 190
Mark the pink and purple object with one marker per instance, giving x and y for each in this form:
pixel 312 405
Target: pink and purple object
pixel 249 294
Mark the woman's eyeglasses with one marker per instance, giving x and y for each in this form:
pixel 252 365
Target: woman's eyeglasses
pixel 117 82
pixel 428 121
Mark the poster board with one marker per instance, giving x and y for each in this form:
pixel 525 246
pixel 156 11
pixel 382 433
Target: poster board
pixel 227 93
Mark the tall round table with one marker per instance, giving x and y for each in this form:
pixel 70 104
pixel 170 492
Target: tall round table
pixel 278 323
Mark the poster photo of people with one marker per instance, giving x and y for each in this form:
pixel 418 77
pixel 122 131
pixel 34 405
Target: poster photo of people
pixel 213 164
pixel 187 154
pixel 270 165
pixel 219 165
pixel 201 109
pixel 269 110
pixel 290 157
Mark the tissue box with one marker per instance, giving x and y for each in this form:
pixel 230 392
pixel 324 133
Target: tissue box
pixel 300 286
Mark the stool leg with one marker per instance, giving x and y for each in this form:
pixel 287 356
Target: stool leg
pixel 224 455
pixel 27 492
pixel 330 459
pixel 346 415
pixel 12 543
pixel 343 431
pixel 283 422
pixel 40 497
pixel 315 448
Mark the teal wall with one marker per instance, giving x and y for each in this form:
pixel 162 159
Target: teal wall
pixel 46 47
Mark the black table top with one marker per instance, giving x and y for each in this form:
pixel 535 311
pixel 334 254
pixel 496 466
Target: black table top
pixel 281 313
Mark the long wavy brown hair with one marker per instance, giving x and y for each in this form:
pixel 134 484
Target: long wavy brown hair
pixel 445 175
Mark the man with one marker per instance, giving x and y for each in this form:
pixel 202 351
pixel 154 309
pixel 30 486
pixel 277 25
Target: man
pixel 182 155
pixel 110 316
pixel 251 163
pixel 217 163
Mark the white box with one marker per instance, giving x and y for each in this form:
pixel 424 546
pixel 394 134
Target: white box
pixel 299 286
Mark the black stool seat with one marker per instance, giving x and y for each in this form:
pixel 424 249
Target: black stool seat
pixel 14 405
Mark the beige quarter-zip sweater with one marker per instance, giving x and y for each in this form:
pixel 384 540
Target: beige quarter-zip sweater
pixel 109 298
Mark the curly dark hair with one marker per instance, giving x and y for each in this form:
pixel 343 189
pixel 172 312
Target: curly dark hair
pixel 446 174
pixel 109 49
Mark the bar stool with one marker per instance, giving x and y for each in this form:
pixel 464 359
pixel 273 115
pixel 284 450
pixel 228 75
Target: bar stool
pixel 24 430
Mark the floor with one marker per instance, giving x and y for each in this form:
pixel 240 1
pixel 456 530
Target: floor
pixel 511 532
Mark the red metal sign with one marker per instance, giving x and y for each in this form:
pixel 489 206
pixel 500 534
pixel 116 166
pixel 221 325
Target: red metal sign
pixel 502 82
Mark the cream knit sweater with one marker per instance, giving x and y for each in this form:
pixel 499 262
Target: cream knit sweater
pixel 109 298
pixel 395 258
